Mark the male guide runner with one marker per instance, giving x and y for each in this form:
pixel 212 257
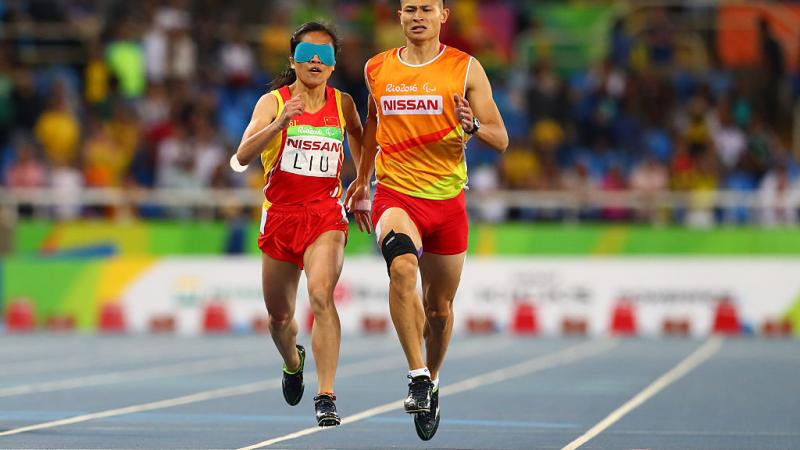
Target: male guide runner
pixel 426 100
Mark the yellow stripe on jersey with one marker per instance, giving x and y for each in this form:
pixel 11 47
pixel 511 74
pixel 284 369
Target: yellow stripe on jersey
pixel 343 125
pixel 270 154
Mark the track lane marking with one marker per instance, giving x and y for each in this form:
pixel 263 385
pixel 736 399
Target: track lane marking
pixel 699 356
pixel 208 365
pixel 537 364
pixel 363 367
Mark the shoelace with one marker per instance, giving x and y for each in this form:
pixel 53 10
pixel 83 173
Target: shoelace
pixel 325 403
pixel 419 388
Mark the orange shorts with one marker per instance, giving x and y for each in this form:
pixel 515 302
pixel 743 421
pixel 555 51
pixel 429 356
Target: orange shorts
pixel 442 224
pixel 287 231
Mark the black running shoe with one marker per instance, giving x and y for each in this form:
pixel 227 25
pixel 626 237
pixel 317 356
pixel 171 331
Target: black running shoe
pixel 326 410
pixel 293 382
pixel 419 395
pixel 427 423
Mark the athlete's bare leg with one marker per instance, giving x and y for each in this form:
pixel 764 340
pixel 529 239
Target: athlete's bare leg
pixel 323 265
pixel 279 282
pixel 404 302
pixel 441 275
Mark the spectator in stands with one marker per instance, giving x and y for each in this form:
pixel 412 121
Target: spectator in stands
pixel 695 129
pixel 780 197
pixel 614 181
pixel 237 59
pixel 774 66
pixel 96 79
pixel 761 145
pixel 28 103
pixel 485 185
pixel 621 43
pixel 649 180
pixel 101 165
pixel 208 151
pixel 660 38
pixel 66 182
pixel 703 184
pixel 520 167
pixel 27 170
pixel 174 155
pixel 57 129
pixel 545 94
pixel 154 109
pixel 169 51
pixel 182 52
pixel 578 181
pixel 125 58
pixel 728 139
pixel 125 132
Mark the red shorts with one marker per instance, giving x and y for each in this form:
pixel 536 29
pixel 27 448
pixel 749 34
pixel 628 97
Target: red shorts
pixel 442 224
pixel 287 231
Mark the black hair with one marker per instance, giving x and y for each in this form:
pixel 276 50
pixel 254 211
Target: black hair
pixel 289 76
pixel 444 2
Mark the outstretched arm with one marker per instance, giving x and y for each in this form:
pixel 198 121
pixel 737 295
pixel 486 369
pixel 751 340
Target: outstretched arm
pixel 479 103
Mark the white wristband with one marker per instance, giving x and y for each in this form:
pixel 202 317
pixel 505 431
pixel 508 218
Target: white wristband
pixel 363 205
pixel 359 206
pixel 236 166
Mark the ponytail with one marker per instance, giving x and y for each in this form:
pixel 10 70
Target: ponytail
pixel 285 78
pixel 289 76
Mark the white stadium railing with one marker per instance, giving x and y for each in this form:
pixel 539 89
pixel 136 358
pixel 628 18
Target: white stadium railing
pixel 758 207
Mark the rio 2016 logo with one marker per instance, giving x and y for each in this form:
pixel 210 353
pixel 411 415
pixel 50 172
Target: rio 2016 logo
pixel 401 88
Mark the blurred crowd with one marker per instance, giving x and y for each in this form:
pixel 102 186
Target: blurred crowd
pixel 157 93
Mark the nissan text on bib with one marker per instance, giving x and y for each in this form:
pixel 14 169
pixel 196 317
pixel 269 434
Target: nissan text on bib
pixel 312 151
pixel 423 105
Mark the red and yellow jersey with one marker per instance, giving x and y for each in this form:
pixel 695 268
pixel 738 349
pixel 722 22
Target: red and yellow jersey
pixel 302 164
pixel 421 141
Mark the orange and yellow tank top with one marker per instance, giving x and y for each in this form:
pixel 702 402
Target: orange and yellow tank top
pixel 421 142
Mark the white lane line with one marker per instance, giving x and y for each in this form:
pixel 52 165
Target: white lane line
pixel 100 360
pixel 534 365
pixel 163 371
pixel 699 356
pixel 359 368
pixel 705 433
pixel 81 358
pixel 79 347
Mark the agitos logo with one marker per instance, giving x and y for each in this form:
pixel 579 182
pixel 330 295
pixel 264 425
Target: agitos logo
pixel 393 105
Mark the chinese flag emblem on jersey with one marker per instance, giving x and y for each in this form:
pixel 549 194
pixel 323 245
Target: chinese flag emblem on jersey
pixel 331 121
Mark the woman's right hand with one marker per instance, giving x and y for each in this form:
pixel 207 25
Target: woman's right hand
pixel 294 107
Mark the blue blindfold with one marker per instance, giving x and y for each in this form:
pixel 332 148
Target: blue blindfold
pixel 305 52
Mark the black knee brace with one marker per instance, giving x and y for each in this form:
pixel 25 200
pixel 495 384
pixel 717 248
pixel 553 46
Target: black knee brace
pixel 395 245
